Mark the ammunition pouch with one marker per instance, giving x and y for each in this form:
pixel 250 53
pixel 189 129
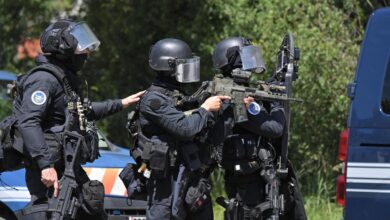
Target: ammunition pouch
pixel 136 151
pixel 90 152
pixel 93 197
pixel 134 182
pixel 198 194
pixel 158 155
pixel 145 146
pixel 11 146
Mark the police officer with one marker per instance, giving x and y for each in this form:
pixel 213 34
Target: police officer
pixel 235 57
pixel 41 103
pixel 165 129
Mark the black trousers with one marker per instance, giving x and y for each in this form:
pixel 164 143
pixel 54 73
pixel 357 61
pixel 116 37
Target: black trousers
pixel 160 198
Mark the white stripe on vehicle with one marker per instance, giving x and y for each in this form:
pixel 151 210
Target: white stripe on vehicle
pixel 354 164
pixel 368 190
pixel 16 200
pixel 373 172
pixel 118 188
pixel 13 188
pixel 376 181
pixel 97 174
pixel 12 195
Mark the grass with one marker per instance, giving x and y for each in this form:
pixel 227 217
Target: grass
pixel 322 209
pixel 218 211
pixel 316 209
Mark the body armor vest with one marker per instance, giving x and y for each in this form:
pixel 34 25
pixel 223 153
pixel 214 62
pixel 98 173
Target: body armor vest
pixel 11 143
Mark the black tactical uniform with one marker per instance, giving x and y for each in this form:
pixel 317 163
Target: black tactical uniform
pixel 240 146
pixel 161 121
pixel 165 129
pixel 242 142
pixel 45 107
pixel 37 117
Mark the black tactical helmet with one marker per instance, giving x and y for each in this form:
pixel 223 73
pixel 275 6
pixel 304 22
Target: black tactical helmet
pixel 175 57
pixel 67 37
pixel 238 51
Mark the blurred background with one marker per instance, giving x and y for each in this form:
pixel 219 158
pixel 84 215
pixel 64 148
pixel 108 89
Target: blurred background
pixel 328 32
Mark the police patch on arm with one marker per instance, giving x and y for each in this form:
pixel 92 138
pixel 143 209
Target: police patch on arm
pixel 38 97
pixel 155 104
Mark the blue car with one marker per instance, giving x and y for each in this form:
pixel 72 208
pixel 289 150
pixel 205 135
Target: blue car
pixel 14 194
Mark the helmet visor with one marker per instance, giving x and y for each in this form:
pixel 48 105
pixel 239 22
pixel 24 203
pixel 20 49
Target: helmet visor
pixel 188 70
pixel 252 59
pixel 87 41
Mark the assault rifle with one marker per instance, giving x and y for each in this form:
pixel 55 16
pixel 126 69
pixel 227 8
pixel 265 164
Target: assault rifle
pixel 224 85
pixel 227 86
pixel 66 204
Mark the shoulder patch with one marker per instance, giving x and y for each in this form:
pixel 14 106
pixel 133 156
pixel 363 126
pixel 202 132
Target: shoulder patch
pixel 38 97
pixel 155 104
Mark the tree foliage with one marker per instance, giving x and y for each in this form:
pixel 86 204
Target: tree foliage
pixel 21 20
pixel 328 33
pixel 329 52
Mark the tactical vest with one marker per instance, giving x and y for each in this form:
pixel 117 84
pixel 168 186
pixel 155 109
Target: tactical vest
pixel 240 153
pixel 159 155
pixel 11 143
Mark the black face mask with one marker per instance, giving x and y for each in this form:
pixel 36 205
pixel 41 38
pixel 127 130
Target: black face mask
pixel 76 62
pixel 189 88
pixel 234 60
pixel 168 80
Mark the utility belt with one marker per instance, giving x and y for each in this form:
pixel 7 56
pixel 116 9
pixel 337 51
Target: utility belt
pixel 155 159
pixel 161 155
pixel 240 154
pixel 158 157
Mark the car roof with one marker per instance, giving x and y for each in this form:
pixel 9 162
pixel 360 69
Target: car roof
pixel 4 75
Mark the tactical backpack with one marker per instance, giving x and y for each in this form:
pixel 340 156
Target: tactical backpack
pixel 11 142
pixel 11 146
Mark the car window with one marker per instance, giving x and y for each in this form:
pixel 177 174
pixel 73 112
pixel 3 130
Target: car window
pixel 386 91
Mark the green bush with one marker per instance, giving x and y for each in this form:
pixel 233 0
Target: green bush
pixel 329 52
pixel 328 32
